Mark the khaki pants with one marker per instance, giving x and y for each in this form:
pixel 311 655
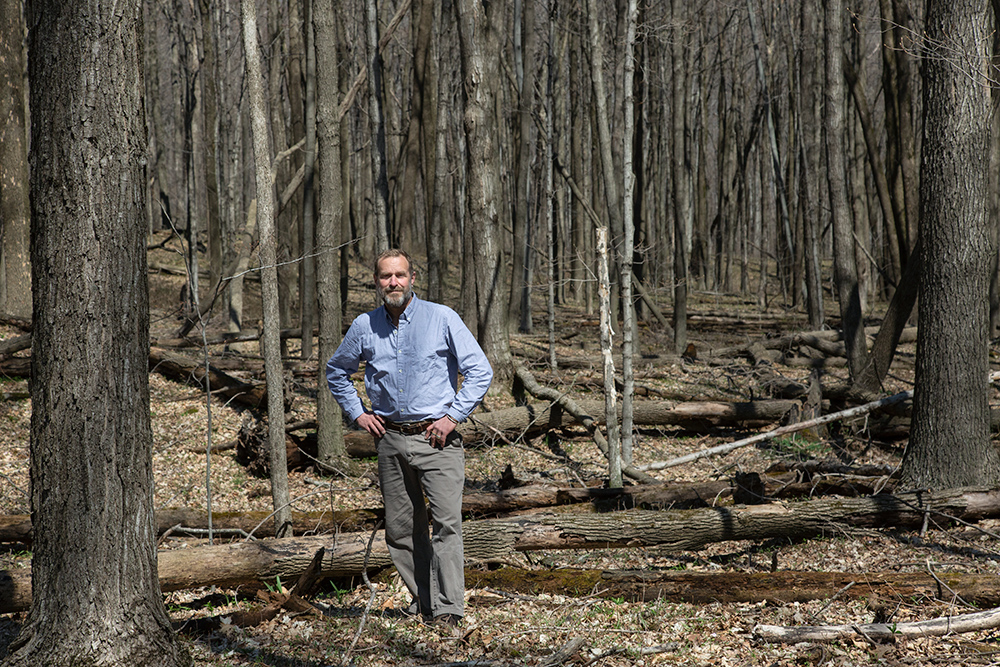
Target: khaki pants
pixel 431 567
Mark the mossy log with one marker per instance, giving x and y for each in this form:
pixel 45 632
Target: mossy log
pixel 780 587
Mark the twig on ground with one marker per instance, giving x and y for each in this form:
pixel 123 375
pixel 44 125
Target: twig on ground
pixel 565 652
pixel 941 584
pixel 16 487
pixel 831 601
pixel 645 650
pixel 371 599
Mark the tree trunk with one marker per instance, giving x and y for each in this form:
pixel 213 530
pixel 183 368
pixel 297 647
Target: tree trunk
pixel 480 43
pixel 680 178
pixel 436 168
pixel 308 308
pixel 15 218
pixel 605 150
pixel 94 557
pixel 845 266
pixel 331 450
pixel 610 392
pixel 270 339
pixel 519 305
pixel 629 325
pixel 384 231
pixel 950 442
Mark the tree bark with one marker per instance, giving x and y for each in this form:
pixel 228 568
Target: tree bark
pixel 614 453
pixel 519 304
pixel 845 265
pixel 479 37
pixel 950 442
pixel 15 216
pixel 384 232
pixel 270 340
pixel 94 570
pixel 331 449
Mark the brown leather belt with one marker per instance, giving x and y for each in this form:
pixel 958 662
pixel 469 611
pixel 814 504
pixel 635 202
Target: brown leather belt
pixel 407 428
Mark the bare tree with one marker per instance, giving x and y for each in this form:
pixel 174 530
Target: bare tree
pixel 270 338
pixel 845 273
pixel 525 57
pixel 478 28
pixel 96 596
pixel 329 431
pixel 385 234
pixel 607 334
pixel 628 240
pixel 308 188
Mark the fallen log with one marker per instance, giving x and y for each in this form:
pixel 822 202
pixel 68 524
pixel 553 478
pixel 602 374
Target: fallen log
pixel 790 428
pixel 17 527
pixel 191 371
pixel 496 540
pixel 781 587
pixel 15 367
pixel 569 405
pixel 14 345
pixel 535 419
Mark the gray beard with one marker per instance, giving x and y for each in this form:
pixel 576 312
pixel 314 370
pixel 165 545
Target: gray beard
pixel 395 299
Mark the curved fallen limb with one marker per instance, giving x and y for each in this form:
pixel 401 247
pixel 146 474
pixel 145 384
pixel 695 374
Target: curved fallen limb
pixel 882 632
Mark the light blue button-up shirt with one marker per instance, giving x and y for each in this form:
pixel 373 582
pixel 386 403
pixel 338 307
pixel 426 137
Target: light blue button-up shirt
pixel 411 370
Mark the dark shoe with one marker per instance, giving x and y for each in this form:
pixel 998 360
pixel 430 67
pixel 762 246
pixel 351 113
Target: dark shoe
pixel 447 620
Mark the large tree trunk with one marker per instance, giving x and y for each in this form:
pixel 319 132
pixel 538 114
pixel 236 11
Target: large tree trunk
pixel 15 220
pixel 94 560
pixel 479 36
pixel 950 442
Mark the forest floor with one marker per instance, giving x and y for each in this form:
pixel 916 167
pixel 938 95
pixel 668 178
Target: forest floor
pixel 362 625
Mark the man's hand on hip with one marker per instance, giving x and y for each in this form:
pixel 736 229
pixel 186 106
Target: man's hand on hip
pixel 437 433
pixel 372 423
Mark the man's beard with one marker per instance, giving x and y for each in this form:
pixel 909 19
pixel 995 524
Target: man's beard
pixel 396 299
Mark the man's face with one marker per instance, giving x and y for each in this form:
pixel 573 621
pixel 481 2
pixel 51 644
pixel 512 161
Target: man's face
pixel 394 282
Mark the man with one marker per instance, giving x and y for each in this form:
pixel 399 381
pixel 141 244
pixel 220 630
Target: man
pixel 413 351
